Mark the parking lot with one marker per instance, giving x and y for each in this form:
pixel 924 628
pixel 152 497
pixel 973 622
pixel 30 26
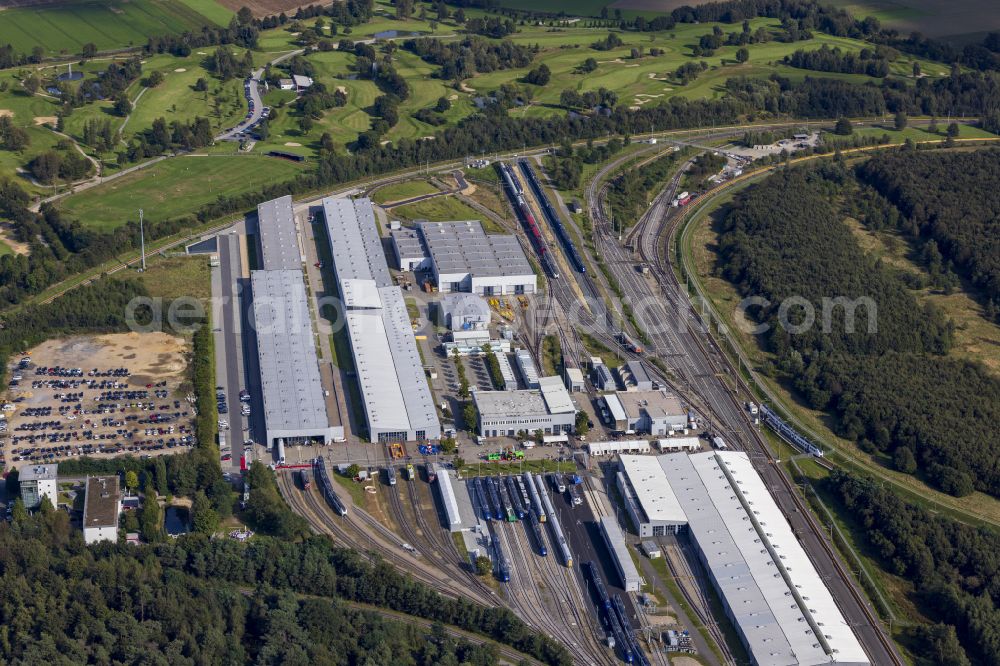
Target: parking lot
pixel 97 396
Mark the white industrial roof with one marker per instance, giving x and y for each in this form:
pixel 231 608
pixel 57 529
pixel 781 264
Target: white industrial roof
pixel 279 242
pixel 448 496
pixel 768 581
pixel 652 490
pixel 556 396
pixel 354 241
pixel 676 443
pixel 389 368
pixel 619 446
pixel 506 371
pixel 509 404
pixel 616 543
pixel 289 368
pixel 358 293
pixel 615 407
pixel 527 366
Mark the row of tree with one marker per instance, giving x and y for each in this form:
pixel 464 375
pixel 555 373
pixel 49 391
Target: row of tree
pixel 848 334
pixel 215 601
pixel 954 568
pixel 462 59
pixel 825 59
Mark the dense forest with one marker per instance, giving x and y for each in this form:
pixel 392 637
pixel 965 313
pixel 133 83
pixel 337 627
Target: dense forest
pixel 825 59
pixel 886 378
pixel 215 601
pixel 948 208
pixel 954 569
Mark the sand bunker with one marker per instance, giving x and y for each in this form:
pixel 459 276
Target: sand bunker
pixel 6 113
pixel 46 120
pixel 292 144
pixel 342 89
pixel 180 69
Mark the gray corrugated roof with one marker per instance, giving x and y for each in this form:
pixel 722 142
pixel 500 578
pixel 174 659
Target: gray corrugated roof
pixel 356 245
pixel 408 244
pixel 463 247
pixel 278 241
pixel 289 367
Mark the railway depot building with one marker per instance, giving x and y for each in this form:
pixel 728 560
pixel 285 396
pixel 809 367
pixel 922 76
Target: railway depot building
pixel 397 401
pixel 548 408
pixel 777 601
pixel 461 256
pixel 296 409
pixel 652 412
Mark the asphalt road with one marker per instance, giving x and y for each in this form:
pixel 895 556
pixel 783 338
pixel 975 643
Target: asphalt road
pixel 253 95
pixel 232 379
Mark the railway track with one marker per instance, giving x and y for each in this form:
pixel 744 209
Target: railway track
pixel 656 224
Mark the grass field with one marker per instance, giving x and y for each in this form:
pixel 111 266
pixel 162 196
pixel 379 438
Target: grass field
pixel 176 277
pixel 438 209
pixel 402 191
pixel 64 27
pixel 174 187
pixel 958 21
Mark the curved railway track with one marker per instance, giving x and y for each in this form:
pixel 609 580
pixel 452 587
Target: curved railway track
pixel 692 340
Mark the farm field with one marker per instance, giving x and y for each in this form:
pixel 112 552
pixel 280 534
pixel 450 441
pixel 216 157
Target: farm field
pixel 174 187
pixel 64 27
pixel 959 21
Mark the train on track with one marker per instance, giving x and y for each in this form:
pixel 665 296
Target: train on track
pixel 552 216
pixel 480 498
pixel 590 569
pixel 506 504
pixel 391 474
pixel 558 538
pixel 494 493
pixel 788 433
pixel 536 530
pixel 536 501
pixel 326 487
pixel 628 343
pixel 503 568
pixel 515 496
pixel 631 652
pixel 516 194
pixel 304 479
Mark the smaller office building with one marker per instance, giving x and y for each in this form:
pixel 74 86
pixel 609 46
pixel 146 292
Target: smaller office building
pixel 548 408
pixel 464 312
pixel 653 412
pixel 38 481
pixel 603 379
pixel 635 377
pixel 102 505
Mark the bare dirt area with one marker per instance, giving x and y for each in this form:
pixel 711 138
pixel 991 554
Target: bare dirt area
pixel 6 113
pixel 7 236
pixel 98 396
pixel 264 7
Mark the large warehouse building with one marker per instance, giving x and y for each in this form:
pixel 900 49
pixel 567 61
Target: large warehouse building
pixel 770 589
pixel 548 408
pixel 397 401
pixel 461 256
pixel 294 403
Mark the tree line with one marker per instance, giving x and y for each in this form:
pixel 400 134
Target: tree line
pixel 462 59
pixel 876 363
pixel 953 568
pixel 825 59
pixel 215 601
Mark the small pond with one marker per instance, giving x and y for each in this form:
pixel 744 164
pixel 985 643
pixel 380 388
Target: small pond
pixel 176 520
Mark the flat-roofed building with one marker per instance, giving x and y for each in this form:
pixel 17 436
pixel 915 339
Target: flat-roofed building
pixel 526 366
pixel 102 504
pixel 672 444
pixel 293 398
pixel 463 257
pixel 38 481
pixel 397 402
pixel 624 565
pixel 408 249
pixel 618 446
pixel 653 412
pixel 649 499
pixel 778 602
pixel 548 408
pixel 279 242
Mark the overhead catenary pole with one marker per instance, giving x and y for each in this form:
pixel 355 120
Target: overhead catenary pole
pixel 142 242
